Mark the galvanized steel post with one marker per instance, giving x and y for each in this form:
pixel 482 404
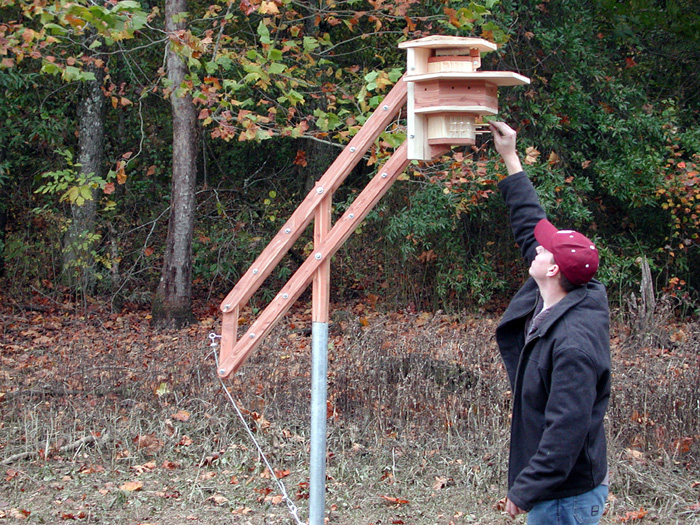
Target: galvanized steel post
pixel 319 392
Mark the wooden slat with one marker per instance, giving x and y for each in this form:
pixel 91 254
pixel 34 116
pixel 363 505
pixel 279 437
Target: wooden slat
pixel 500 78
pixel 331 180
pixel 322 276
pixel 229 332
pixel 340 232
pixel 449 42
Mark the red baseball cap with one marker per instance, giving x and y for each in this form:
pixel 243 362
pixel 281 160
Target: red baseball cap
pixel 574 253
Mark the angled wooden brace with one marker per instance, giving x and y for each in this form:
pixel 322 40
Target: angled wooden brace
pixel 333 240
pixel 317 204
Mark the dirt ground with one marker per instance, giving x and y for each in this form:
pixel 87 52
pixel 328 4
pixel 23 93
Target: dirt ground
pixel 105 420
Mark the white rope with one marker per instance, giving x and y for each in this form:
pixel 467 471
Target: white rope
pixel 293 509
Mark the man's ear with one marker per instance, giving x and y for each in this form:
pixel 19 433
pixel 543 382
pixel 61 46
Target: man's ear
pixel 553 270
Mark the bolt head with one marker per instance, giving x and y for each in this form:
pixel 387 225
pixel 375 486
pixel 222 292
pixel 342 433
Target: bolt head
pixel 222 371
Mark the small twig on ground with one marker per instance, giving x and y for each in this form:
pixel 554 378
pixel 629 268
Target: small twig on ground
pixel 87 440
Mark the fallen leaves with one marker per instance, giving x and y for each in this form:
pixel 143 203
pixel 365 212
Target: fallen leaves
pixel 148 444
pixel 131 486
pixel 633 515
pixel 16 514
pixel 181 415
pixel 394 501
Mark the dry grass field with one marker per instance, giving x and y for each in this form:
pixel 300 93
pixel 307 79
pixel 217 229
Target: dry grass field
pixel 106 421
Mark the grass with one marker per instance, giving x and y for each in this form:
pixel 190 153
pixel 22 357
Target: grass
pixel 417 428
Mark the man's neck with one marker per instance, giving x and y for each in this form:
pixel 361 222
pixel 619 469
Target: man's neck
pixel 551 294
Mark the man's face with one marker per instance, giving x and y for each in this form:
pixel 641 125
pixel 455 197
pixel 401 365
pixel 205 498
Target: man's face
pixel 541 264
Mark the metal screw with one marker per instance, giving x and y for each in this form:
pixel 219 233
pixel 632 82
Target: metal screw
pixel 288 230
pixel 251 336
pixel 411 136
pixel 318 256
pixel 385 175
pixel 226 307
pixel 222 372
pixel 255 271
pixel 319 191
pixel 351 216
pixel 352 149
pixel 385 108
pixel 285 296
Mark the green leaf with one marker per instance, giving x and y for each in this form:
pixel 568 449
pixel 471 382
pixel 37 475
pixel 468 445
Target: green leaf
pixel 310 44
pixel 50 68
pixel 276 68
pixel 275 55
pixel 264 33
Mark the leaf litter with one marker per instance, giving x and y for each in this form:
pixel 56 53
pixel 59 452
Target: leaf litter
pixel 110 421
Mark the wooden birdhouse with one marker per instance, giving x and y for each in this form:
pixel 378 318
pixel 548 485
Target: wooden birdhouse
pixel 447 96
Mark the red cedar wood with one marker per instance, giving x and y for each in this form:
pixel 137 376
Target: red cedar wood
pixel 322 277
pixel 300 219
pixel 330 181
pixel 340 232
pixel 454 93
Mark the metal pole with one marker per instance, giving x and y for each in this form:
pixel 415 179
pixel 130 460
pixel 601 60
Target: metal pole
pixel 319 387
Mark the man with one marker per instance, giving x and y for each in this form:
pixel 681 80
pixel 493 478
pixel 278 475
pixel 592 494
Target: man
pixel 554 341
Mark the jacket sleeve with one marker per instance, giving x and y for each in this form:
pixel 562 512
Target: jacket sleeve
pixel 525 211
pixel 567 421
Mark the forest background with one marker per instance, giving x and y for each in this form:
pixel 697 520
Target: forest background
pixel 113 121
pixel 148 152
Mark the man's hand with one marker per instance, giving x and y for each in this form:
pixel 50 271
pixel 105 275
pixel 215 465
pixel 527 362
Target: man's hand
pixel 504 139
pixel 512 509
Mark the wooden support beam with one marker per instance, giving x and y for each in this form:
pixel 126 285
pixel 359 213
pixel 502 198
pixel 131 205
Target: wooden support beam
pixel 229 331
pixel 322 276
pixel 329 182
pixel 340 232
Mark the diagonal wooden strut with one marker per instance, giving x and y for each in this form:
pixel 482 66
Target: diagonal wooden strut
pixel 331 242
pixel 317 205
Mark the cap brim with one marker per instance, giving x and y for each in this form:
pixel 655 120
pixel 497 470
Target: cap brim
pixel 544 233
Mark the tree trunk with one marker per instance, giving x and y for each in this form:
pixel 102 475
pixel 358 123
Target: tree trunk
pixel 79 240
pixel 172 303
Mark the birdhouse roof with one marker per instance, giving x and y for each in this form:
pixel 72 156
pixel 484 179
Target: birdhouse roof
pixel 450 42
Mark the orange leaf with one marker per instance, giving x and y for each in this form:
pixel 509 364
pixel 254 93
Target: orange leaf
pixel 300 159
pixel 109 188
pixel 181 415
pixel 131 486
pixel 633 515
pixel 121 176
pixel 11 474
pixel 395 501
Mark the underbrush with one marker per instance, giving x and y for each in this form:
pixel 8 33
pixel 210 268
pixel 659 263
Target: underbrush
pixel 106 421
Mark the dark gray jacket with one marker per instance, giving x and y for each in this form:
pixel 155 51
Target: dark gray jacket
pixel 559 375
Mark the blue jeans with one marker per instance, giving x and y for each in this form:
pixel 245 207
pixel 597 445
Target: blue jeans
pixel 584 509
